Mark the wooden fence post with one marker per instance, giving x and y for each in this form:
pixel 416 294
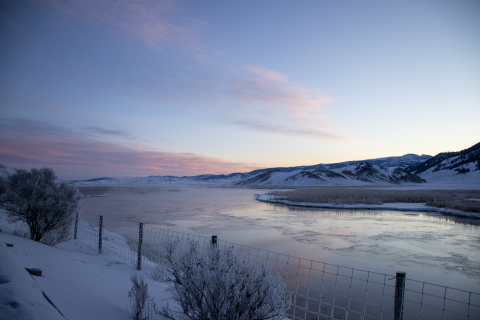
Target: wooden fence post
pixel 399 294
pixel 214 240
pixel 100 235
pixel 140 241
pixel 76 227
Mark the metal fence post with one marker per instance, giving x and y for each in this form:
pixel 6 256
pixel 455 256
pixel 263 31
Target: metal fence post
pixel 76 227
pixel 399 294
pixel 214 240
pixel 140 241
pixel 100 235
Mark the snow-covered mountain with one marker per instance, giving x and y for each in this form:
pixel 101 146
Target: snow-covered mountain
pixel 462 167
pixel 362 173
pixel 451 167
pixel 380 170
pixel 388 162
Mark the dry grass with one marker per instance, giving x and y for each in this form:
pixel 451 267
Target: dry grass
pixel 451 199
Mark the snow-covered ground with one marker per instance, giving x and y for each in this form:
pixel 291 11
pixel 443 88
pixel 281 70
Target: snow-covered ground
pixel 451 177
pixel 386 206
pixel 81 283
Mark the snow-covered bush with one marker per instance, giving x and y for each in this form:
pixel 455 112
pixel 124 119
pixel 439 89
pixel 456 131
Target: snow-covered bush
pixel 139 298
pixel 209 282
pixel 47 207
pixel 20 232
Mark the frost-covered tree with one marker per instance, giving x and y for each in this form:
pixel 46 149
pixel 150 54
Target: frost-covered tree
pixel 215 283
pixel 47 207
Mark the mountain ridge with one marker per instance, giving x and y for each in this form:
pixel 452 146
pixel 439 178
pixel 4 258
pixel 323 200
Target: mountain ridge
pixel 318 174
pixel 461 167
pixel 451 167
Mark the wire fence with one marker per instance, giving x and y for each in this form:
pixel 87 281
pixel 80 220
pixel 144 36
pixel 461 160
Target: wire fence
pixel 319 290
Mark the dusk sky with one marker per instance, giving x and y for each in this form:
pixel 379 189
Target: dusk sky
pixel 97 88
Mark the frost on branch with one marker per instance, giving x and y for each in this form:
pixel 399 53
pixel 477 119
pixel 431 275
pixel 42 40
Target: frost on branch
pixel 139 298
pixel 209 282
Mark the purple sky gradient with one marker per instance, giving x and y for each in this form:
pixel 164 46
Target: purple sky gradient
pixel 133 88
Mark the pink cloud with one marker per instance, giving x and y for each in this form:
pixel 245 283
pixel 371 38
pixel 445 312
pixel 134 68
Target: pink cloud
pixel 262 86
pixel 265 73
pixel 266 101
pixel 149 20
pixel 39 144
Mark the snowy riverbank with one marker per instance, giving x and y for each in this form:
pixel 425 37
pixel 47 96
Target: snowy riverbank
pixel 81 283
pixel 386 206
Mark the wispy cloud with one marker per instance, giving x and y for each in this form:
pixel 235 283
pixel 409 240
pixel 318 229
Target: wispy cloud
pixel 267 87
pixel 234 93
pixel 32 142
pixel 149 20
pixel 266 101
pixel 288 130
pixel 107 132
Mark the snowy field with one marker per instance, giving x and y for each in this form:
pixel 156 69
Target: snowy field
pixel 81 283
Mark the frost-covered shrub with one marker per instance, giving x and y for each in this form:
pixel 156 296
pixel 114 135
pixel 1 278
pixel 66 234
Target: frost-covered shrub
pixel 209 282
pixel 19 232
pixel 47 207
pixel 139 298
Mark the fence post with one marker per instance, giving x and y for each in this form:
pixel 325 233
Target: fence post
pixel 76 227
pixel 100 235
pixel 399 294
pixel 214 240
pixel 140 241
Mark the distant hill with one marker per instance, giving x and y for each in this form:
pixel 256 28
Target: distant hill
pixel 388 162
pixel 358 172
pixel 461 166
pixel 362 173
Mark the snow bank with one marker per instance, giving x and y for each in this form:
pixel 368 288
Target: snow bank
pixel 386 206
pixel 81 283
pixel 20 295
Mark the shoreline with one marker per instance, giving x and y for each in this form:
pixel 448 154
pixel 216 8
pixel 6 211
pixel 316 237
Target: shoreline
pixel 400 206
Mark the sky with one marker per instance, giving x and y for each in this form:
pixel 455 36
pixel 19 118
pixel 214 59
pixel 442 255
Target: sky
pixel 131 88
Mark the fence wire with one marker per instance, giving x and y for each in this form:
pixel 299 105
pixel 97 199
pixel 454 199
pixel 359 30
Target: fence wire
pixel 319 290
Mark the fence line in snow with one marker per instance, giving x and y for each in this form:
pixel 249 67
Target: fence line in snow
pixel 319 290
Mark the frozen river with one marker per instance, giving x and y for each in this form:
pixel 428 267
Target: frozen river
pixel 430 247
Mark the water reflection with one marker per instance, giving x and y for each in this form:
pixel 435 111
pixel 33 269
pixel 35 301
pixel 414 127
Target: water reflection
pixel 425 245
pixel 431 216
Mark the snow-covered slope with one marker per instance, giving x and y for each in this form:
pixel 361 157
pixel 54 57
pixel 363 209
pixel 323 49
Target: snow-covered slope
pixel 362 173
pixel 79 281
pixel 320 174
pixel 451 167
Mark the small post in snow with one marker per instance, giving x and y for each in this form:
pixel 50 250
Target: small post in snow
pixel 76 227
pixel 140 241
pixel 214 240
pixel 100 235
pixel 399 295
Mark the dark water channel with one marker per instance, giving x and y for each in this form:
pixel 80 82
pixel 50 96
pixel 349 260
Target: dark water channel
pixel 443 250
